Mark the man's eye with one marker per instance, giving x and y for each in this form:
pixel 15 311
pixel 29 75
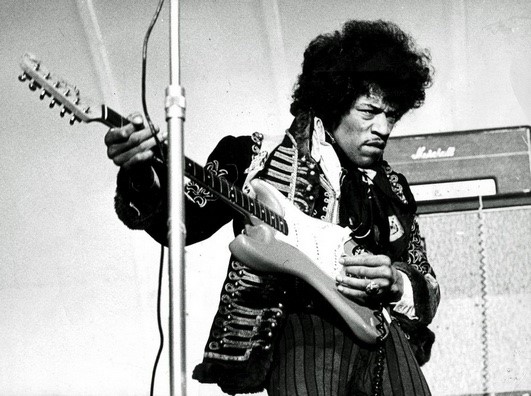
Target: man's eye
pixel 368 112
pixel 392 117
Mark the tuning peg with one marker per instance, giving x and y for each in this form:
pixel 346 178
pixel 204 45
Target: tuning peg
pixel 22 77
pixel 52 103
pixel 62 112
pixel 73 120
pixel 32 85
pixel 43 94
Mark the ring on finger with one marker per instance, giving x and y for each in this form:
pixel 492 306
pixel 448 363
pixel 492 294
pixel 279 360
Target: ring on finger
pixel 372 288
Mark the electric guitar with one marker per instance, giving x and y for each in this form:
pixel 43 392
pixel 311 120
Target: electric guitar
pixel 283 238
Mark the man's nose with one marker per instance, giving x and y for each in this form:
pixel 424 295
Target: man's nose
pixel 381 125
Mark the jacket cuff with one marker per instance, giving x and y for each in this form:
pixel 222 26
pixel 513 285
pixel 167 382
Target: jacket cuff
pixel 137 205
pixel 406 305
pixel 425 292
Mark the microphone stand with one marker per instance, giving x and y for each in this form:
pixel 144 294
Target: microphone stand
pixel 175 105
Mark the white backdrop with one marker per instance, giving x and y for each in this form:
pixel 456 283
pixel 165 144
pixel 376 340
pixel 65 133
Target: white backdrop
pixel 78 289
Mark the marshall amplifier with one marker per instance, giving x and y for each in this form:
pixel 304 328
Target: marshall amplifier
pixel 464 170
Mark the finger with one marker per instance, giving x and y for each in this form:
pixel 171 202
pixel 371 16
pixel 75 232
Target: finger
pixel 118 135
pixel 353 294
pixel 367 260
pixel 122 158
pixel 352 283
pixel 138 159
pixel 134 140
pixel 258 232
pixel 137 120
pixel 361 283
pixel 383 271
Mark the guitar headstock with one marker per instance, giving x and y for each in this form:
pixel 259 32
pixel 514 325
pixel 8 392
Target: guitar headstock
pixel 60 91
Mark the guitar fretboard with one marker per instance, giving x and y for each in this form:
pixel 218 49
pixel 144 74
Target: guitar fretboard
pixel 234 196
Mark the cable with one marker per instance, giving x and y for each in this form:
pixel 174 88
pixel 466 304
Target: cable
pixel 159 321
pixel 144 67
pixel 159 144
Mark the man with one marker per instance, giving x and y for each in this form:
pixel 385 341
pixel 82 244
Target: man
pixel 274 331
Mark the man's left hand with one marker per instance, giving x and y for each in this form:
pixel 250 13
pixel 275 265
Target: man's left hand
pixel 370 278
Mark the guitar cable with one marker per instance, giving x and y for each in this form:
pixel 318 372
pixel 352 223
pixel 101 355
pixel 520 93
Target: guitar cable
pixel 163 157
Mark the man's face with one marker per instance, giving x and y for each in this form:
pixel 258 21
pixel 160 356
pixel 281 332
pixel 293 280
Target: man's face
pixel 363 132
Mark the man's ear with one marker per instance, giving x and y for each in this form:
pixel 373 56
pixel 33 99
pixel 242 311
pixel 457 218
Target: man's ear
pixel 318 126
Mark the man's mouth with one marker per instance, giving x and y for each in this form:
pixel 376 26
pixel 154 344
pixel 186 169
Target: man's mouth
pixel 379 144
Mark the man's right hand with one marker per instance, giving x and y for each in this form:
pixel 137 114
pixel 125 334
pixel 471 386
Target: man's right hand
pixel 131 145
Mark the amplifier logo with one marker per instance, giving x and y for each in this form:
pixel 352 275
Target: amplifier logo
pixel 422 153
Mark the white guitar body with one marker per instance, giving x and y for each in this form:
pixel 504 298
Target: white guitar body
pixel 310 251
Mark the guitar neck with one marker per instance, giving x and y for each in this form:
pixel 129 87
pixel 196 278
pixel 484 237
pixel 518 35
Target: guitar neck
pixel 233 196
pixel 230 194
pixel 111 118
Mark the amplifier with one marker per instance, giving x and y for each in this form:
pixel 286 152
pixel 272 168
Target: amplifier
pixel 464 170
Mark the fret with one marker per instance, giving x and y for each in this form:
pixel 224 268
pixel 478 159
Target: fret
pixel 233 195
pixel 283 227
pixel 240 195
pixel 190 168
pixel 260 211
pixel 217 185
pixel 252 206
pixel 245 202
pixel 271 217
pixel 210 180
pixel 225 185
pixel 201 174
pixel 274 220
pixel 267 215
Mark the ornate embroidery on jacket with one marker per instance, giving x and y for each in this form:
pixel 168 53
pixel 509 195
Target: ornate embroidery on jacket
pixel 297 179
pixel 258 157
pixel 238 328
pixel 395 185
pixel 329 211
pixel 200 195
pixel 417 256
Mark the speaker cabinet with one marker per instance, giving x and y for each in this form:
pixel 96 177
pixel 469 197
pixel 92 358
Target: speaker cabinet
pixel 462 170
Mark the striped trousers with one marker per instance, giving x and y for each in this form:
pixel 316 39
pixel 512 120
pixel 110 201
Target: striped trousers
pixel 315 358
